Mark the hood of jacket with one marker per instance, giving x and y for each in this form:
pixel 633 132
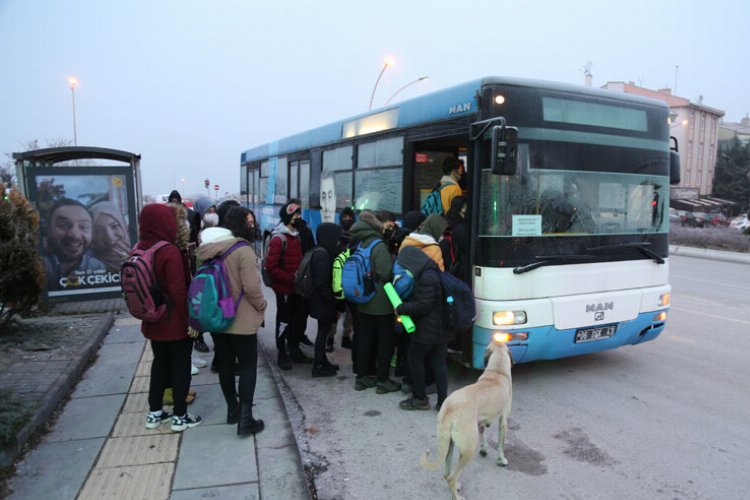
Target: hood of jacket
pixel 434 226
pixel 157 222
pixel 214 241
pixel 420 240
pixel 367 227
pixel 281 228
pixel 328 236
pixel 415 260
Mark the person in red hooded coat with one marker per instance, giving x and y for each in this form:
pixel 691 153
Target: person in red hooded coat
pixel 168 336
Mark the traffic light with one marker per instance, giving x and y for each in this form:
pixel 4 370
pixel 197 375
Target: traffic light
pixel 206 183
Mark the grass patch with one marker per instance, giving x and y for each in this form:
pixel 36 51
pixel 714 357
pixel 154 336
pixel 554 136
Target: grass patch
pixel 13 415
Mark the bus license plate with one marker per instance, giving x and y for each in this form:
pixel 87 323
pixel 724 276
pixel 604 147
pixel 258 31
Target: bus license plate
pixel 598 333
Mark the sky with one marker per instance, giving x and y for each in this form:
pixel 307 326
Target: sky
pixel 191 84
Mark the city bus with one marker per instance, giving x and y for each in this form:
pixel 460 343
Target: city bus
pixel 568 189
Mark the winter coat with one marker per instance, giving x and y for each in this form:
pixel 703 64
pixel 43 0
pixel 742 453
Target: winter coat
pixel 450 191
pixel 367 229
pixel 243 274
pixel 459 265
pixel 322 303
pixel 158 223
pixel 426 303
pixel 427 244
pixel 282 269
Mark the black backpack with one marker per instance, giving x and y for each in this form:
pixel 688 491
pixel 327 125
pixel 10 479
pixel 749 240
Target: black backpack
pixel 460 308
pixel 304 284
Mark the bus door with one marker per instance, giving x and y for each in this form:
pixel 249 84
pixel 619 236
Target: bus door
pixel 427 167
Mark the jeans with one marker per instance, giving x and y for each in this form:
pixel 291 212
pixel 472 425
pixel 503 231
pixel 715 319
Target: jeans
pixel 170 368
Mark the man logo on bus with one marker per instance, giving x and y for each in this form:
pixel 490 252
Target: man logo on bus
pixel 602 306
pixel 459 108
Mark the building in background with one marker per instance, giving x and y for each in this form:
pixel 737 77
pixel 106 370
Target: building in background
pixel 696 128
pixel 729 131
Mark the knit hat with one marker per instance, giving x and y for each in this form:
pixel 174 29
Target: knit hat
pixel 413 219
pixel 287 211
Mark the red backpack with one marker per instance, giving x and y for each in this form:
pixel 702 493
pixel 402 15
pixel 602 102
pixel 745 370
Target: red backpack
pixel 143 294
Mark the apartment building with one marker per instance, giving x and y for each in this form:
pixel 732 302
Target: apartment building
pixel 728 131
pixel 696 128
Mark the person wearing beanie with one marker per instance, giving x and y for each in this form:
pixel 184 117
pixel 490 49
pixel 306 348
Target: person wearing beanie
pixel 175 197
pixel 224 208
pixel 290 307
pixel 427 236
pixel 375 325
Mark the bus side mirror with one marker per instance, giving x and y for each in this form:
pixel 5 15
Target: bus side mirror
pixel 504 150
pixel 674 164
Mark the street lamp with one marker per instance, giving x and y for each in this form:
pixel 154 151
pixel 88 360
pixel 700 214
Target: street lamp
pixel 405 86
pixel 385 66
pixel 73 83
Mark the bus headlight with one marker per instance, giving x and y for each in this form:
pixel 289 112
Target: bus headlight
pixel 504 318
pixel 503 337
pixel 662 316
pixel 664 299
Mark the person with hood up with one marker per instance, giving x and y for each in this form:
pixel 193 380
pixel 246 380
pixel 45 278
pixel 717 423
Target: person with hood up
pixel 168 336
pixel 375 325
pixel 322 303
pixel 110 241
pixel 290 307
pixel 239 342
pixel 430 339
pixel 426 238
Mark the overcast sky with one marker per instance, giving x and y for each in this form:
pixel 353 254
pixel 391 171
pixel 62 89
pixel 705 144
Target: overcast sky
pixel 190 84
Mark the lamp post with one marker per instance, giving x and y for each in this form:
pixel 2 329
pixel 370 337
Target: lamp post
pixel 73 83
pixel 404 87
pixel 385 66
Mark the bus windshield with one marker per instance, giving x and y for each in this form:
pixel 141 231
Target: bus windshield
pixel 550 202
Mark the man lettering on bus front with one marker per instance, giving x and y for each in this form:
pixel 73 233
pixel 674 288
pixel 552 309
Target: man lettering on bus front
pixel 68 236
pixel 450 183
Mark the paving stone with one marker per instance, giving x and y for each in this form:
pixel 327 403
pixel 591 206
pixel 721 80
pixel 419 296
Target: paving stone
pixel 247 491
pixel 119 354
pixel 101 379
pixel 136 403
pixel 85 418
pixel 144 369
pixel 71 461
pixel 139 450
pixel 147 482
pixel 139 384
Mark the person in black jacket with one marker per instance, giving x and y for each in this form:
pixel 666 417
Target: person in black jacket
pixel 454 242
pixel 322 303
pixel 430 339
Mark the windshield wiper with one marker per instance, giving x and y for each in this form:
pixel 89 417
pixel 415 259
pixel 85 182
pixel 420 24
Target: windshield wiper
pixel 547 260
pixel 640 246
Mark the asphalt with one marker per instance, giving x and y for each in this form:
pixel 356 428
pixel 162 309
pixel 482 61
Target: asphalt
pixel 94 443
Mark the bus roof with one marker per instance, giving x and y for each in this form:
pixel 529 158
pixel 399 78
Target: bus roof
pixel 444 104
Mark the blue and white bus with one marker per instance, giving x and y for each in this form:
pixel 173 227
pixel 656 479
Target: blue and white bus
pixel 568 190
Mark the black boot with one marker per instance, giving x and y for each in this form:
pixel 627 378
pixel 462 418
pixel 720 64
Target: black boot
pixel 322 370
pixel 247 424
pixel 296 354
pixel 233 413
pixel 283 361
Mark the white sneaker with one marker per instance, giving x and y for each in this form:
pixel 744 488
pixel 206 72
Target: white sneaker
pixel 154 421
pixel 194 370
pixel 179 424
pixel 200 363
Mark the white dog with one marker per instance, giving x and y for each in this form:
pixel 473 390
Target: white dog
pixel 466 412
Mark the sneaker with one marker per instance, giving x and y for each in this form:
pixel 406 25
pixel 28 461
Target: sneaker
pixel 388 386
pixel 194 369
pixel 154 421
pixel 362 383
pixel 200 363
pixel 201 346
pixel 414 404
pixel 179 424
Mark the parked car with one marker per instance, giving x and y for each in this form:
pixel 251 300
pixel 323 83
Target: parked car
pixel 740 223
pixel 674 216
pixel 693 219
pixel 718 220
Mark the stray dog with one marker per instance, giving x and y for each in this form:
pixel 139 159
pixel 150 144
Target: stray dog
pixel 466 412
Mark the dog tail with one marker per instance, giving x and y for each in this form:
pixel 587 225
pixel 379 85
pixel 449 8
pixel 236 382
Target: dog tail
pixel 444 442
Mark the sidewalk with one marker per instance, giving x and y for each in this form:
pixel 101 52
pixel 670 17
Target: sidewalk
pixel 705 253
pixel 99 446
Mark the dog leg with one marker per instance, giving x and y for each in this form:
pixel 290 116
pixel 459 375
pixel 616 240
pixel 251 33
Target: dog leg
pixel 463 461
pixel 501 426
pixel 448 460
pixel 482 444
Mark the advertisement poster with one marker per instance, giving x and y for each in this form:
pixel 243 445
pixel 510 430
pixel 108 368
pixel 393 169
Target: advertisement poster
pixel 87 227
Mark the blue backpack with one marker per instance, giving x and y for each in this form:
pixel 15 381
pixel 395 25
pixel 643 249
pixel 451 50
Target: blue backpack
pixel 433 204
pixel 211 307
pixel 460 308
pixel 403 280
pixel 357 279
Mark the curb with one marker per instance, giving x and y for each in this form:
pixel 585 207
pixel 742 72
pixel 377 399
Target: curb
pixel 58 393
pixel 706 253
pixel 278 383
